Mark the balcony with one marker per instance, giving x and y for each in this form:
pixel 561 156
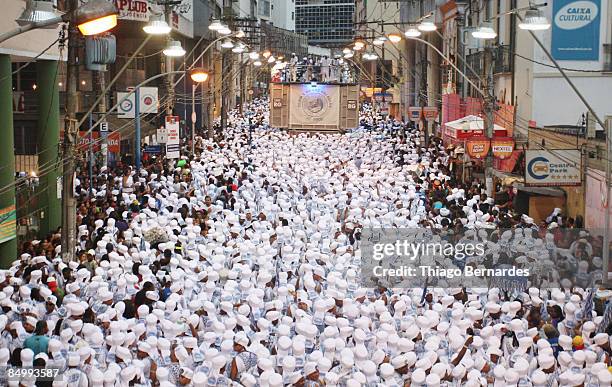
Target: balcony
pixel 607 66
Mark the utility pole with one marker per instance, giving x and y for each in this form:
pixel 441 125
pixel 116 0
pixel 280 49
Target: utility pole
pixel 224 87
pixel 226 63
pixel 423 92
pixel 489 109
pixel 169 63
pixel 211 96
pixel 99 79
pixel 606 237
pixel 70 132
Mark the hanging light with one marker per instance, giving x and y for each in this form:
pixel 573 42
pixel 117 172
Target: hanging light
pixel 198 75
pixel 239 49
pixel 534 21
pixel 95 17
pixel 380 41
pixel 157 26
pixel 485 31
pixel 254 55
pixel 38 11
pixel 215 25
pixel 395 38
pixel 427 26
pixel 347 51
pixel 257 63
pixel 359 44
pixel 349 55
pixel 370 56
pixel 412 33
pixel 227 43
pixel 174 49
pixel 271 59
pixel 266 54
pixel 240 34
pixel 224 30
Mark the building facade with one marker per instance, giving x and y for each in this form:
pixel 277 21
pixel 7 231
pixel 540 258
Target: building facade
pixel 283 14
pixel 327 23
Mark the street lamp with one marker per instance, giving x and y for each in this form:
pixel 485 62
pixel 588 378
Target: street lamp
pixel 198 75
pixel 224 30
pixel 395 38
pixel 95 17
pixel 534 20
pixel 427 26
pixel 157 26
pixel 37 11
pixel 380 41
pixel 412 33
pixel 174 49
pixel 485 31
pixel 215 25
pixel 227 43
pixel 92 18
pixel 239 49
pixel 370 56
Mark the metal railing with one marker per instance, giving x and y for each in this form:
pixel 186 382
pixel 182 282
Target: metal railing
pixel 303 73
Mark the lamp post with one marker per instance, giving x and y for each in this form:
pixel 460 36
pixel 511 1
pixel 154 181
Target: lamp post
pixel 92 18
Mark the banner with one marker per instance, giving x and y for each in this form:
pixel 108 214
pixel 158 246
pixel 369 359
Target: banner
pixel 88 138
pixel 114 142
pixel 173 150
pixel 575 29
pixel 477 148
pixel 559 167
pixel 8 220
pixel 313 104
pixel 502 148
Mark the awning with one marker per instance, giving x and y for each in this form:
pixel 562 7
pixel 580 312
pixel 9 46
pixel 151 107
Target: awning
pixel 471 122
pixel 546 191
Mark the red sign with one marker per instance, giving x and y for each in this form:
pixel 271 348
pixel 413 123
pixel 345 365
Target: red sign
pixel 478 148
pixel 114 142
pixel 502 148
pixel 85 139
pixel 430 113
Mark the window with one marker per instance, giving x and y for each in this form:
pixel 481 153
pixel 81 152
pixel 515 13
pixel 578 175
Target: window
pixel 292 15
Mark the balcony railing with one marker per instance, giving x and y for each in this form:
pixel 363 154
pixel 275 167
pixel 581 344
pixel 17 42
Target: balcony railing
pixel 607 57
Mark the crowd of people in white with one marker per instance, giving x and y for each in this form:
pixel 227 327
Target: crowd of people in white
pixel 240 266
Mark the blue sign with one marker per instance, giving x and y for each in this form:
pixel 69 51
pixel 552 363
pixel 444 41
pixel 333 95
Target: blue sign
pixel 153 149
pixel 575 31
